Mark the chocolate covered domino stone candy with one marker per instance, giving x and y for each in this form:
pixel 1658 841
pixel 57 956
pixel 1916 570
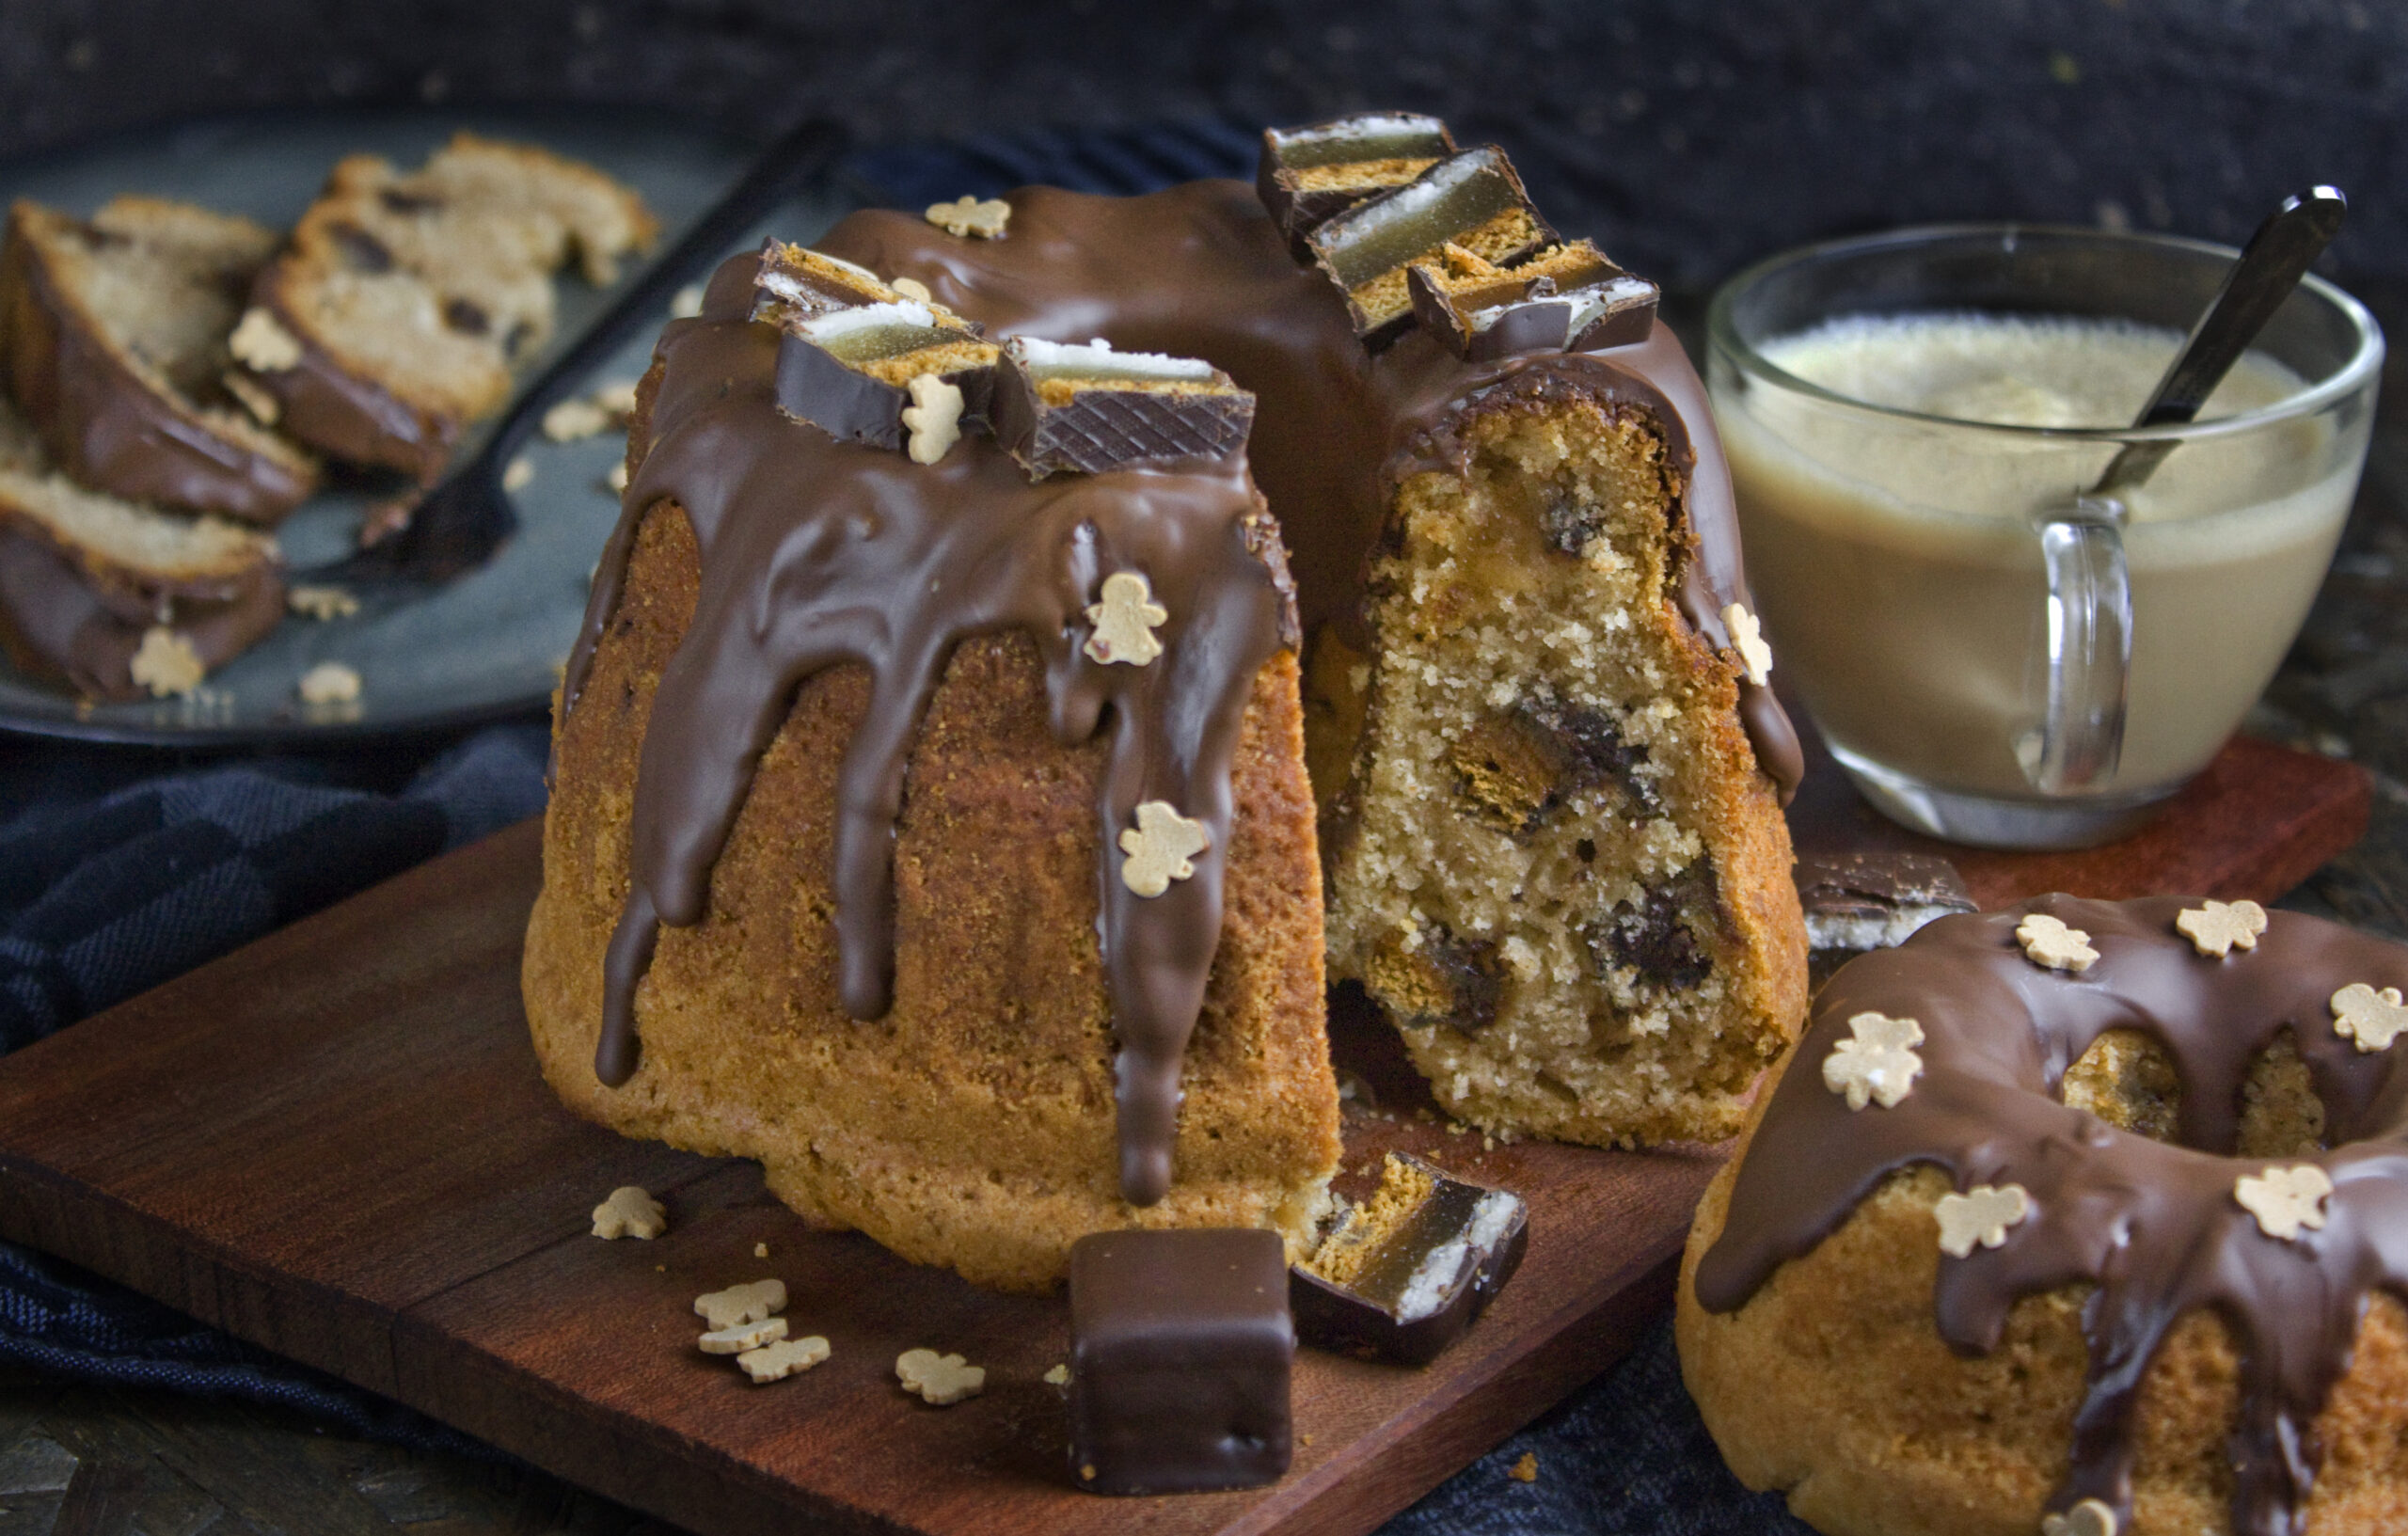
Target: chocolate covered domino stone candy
pixel 1057 407
pixel 795 281
pixel 1403 1275
pixel 1180 1347
pixel 1307 174
pixel 1471 199
pixel 1568 298
pixel 848 369
pixel 1857 902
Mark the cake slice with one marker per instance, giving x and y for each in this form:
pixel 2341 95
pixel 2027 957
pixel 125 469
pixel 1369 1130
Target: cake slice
pixel 395 313
pixel 1556 862
pixel 115 350
pixel 116 599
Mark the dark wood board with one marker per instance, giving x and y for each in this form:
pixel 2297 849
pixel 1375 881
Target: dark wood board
pixel 334 1142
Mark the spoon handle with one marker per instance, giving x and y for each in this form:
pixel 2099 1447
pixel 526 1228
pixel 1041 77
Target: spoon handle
pixel 2270 267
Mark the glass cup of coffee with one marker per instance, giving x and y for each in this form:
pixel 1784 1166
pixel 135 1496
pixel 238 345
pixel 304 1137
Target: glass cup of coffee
pixel 1913 422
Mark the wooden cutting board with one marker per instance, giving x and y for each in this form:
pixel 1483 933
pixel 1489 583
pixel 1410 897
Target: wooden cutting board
pixel 334 1142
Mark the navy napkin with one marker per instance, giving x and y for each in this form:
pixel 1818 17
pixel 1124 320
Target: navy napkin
pixel 121 870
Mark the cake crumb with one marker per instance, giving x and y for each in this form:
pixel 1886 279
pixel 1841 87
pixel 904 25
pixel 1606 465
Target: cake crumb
pixel 741 1337
pixel 329 682
pixel 940 1379
pixel 760 1250
pixel 616 480
pixel 573 419
pixel 519 474
pixel 2372 1019
pixel 1526 1469
pixel 1981 1216
pixel 322 604
pixel 1124 622
pixel 1161 849
pixel 967 215
pixel 166 663
pixel 260 342
pixel 630 1212
pixel 933 418
pixel 1305 1440
pixel 2049 943
pixel 1058 1376
pixel 741 1304
pixel 775 1362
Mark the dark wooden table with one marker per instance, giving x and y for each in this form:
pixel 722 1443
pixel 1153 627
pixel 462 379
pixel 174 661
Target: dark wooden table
pixel 103 1462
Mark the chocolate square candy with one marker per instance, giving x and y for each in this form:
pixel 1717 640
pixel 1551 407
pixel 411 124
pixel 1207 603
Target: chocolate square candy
pixel 1402 1277
pixel 1057 407
pixel 848 369
pixel 1857 902
pixel 1471 199
pixel 1307 174
pixel 1180 1347
pixel 795 281
pixel 1568 298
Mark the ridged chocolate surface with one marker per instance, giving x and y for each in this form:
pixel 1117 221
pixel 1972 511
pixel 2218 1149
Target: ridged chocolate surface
pixel 2154 1225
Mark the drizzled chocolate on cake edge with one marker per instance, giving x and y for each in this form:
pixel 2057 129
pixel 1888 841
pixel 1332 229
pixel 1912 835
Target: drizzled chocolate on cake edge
pixel 818 553
pixel 2154 1225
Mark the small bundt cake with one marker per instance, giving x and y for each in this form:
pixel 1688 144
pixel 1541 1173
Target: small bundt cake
pixel 818 889
pixel 2081 1217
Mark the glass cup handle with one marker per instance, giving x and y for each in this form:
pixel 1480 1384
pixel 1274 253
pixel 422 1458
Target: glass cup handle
pixel 2090 648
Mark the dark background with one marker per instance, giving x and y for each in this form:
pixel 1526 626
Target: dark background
pixel 1687 137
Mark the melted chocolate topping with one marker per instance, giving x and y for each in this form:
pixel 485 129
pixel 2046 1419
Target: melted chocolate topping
pixel 2154 1225
pixel 62 621
pixel 817 552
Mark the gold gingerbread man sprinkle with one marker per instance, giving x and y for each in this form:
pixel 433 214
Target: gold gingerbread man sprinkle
pixel 2220 928
pixel 1161 849
pixel 2372 1019
pixel 166 663
pixel 776 1362
pixel 630 1212
pixel 2091 1517
pixel 1748 639
pixel 741 1304
pixel 941 1379
pixel 967 215
pixel 2285 1199
pixel 1878 1066
pixel 1124 622
pixel 933 418
pixel 2046 941
pixel 1981 1216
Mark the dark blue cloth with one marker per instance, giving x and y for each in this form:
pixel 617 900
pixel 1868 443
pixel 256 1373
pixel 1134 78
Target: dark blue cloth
pixel 121 870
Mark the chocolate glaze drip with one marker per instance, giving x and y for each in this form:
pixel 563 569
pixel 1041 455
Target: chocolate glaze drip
pixel 2155 1226
pixel 1200 271
pixel 816 553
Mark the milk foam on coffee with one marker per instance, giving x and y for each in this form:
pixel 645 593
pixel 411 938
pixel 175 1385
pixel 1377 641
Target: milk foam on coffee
pixel 1898 569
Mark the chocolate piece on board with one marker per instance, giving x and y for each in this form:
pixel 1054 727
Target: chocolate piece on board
pixel 849 370
pixel 1570 298
pixel 1401 1278
pixel 1180 1347
pixel 1472 199
pixel 1859 902
pixel 1307 174
pixel 1058 406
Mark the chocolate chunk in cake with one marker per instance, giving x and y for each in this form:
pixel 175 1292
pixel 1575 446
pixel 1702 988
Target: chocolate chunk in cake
pixel 1568 298
pixel 1307 174
pixel 1089 408
pixel 1440 980
pixel 1181 1348
pixel 849 370
pixel 1401 1276
pixel 1472 199
pixel 1525 763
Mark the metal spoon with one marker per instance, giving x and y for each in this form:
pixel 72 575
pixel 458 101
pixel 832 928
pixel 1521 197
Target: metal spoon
pixel 2090 598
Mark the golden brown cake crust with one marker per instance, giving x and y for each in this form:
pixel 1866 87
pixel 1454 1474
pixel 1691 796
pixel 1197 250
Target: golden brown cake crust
pixel 973 1125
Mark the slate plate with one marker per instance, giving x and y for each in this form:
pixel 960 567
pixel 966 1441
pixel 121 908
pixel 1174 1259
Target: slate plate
pixel 486 645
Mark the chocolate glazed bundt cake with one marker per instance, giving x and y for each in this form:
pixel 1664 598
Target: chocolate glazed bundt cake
pixel 838 874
